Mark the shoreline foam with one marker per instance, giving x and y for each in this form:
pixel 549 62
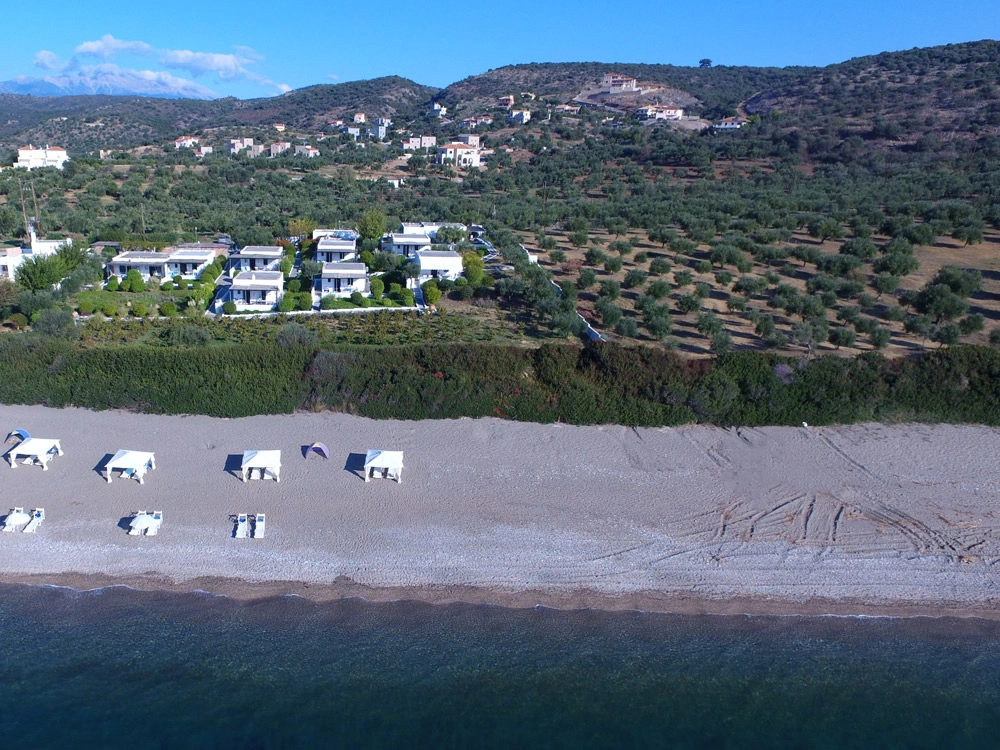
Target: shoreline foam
pixel 866 519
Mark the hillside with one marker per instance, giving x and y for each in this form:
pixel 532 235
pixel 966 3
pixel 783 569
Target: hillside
pixel 88 123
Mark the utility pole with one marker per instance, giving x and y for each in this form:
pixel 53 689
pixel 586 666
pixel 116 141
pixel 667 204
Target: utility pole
pixel 24 212
pixel 34 198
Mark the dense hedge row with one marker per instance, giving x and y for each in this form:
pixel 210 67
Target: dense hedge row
pixel 599 383
pixel 226 380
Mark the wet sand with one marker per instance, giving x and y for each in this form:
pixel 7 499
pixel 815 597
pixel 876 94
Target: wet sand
pixel 868 519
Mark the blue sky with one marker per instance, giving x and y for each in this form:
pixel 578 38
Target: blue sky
pixel 253 48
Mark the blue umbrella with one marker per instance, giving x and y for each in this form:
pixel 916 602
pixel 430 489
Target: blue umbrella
pixel 20 435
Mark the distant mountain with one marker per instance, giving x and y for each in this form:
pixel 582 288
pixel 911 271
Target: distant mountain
pixel 112 83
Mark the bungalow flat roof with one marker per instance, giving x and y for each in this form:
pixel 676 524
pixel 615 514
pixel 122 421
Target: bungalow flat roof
pixel 140 256
pixel 406 237
pixel 191 253
pixel 344 270
pixel 260 251
pixel 263 280
pixel 335 241
pixel 440 254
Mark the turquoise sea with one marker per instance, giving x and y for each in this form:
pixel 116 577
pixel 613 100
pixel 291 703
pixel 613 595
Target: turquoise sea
pixel 121 668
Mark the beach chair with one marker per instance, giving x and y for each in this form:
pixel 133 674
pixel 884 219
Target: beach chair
pixel 15 518
pixel 242 526
pixel 155 526
pixel 37 516
pixel 258 527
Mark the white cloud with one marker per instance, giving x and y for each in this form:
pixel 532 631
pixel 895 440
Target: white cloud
pixel 333 77
pixel 107 47
pixel 284 88
pixel 226 67
pixel 49 61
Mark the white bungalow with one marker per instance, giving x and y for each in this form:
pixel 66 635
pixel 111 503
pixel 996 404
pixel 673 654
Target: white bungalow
pixel 334 248
pixel 255 258
pixel 189 262
pixel 408 244
pixel 341 280
pixel 384 464
pixel 149 264
pixel 34 451
pixel 257 290
pixel 267 464
pixel 439 264
pixel 130 464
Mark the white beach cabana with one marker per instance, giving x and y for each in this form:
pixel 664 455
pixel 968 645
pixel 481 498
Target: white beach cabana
pixel 268 463
pixel 130 464
pixel 34 451
pixel 385 464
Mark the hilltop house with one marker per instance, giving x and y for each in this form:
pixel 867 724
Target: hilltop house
pixel 360 117
pixel 307 151
pixel 471 123
pixel 340 280
pixel 257 291
pixel 617 83
pixel 657 112
pixel 255 258
pixel 469 139
pixel 280 127
pixel 419 142
pixel 519 116
pixel 459 154
pixel 238 144
pixel 29 157
pixel 202 151
pixel 438 111
pixel 279 148
pixel 186 141
pixel 730 123
pixel 506 101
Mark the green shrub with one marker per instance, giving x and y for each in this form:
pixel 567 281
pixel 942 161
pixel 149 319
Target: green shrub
pixel 287 303
pixel 109 310
pixel 229 307
pixel 18 321
pixel 113 284
pixel 304 301
pixel 168 309
pixel 167 286
pixel 86 307
pixel 139 309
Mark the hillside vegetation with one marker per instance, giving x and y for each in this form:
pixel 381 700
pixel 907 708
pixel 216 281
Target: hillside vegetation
pixel 856 214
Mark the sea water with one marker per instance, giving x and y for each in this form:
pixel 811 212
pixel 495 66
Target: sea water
pixel 122 668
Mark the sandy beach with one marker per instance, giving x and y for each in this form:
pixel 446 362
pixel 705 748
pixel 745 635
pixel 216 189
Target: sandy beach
pixel 868 519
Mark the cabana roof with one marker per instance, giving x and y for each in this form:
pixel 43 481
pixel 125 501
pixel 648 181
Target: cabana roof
pixel 127 459
pixel 261 459
pixel 376 459
pixel 318 448
pixel 37 447
pixel 18 435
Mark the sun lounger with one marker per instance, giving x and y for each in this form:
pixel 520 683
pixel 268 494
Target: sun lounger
pixel 37 516
pixel 17 517
pixel 258 527
pixel 155 526
pixel 242 526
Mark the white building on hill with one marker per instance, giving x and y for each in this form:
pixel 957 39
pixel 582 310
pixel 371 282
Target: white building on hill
pixel 29 157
